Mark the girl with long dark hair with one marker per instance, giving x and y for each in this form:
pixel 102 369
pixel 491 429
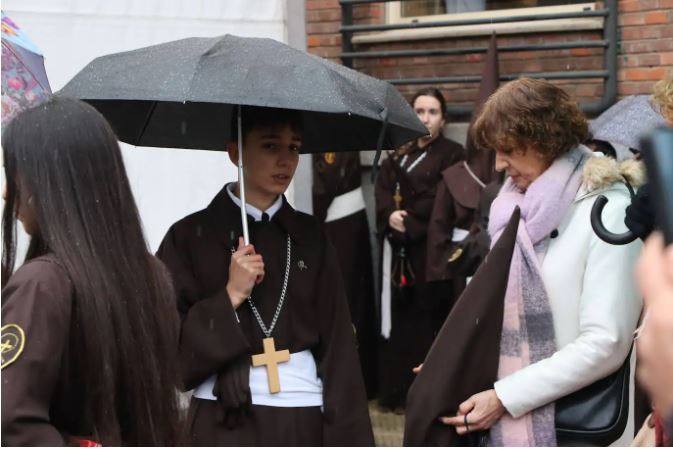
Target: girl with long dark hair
pixel 89 327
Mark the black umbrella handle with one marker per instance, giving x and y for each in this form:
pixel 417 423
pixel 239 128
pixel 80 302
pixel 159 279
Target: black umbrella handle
pixel 600 229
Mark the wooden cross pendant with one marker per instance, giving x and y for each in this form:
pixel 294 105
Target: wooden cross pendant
pixel 397 198
pixel 271 358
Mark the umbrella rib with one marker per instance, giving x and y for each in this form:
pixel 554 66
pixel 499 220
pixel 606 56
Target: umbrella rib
pixel 25 66
pixel 147 122
pixel 188 94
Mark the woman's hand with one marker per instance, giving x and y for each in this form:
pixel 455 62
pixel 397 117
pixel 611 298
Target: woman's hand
pixel 396 220
pixel 245 270
pixel 480 411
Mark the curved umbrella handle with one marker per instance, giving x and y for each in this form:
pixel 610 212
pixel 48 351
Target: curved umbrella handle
pixel 600 230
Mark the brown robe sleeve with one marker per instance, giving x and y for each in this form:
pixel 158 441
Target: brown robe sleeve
pixel 440 227
pixel 346 415
pixel 416 222
pixel 210 336
pixel 38 299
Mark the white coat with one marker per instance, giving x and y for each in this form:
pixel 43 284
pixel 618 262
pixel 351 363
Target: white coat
pixel 594 302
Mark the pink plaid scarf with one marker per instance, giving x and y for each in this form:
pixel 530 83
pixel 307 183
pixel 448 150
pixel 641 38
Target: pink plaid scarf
pixel 528 327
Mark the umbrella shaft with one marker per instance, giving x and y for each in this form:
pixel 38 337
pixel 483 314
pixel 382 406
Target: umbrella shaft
pixel 241 182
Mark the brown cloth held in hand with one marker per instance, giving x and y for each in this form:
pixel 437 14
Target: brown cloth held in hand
pixel 464 358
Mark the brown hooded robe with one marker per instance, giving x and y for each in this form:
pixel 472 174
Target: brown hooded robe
pixel 215 340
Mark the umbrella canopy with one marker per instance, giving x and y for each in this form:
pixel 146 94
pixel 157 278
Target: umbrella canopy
pixel 626 122
pixel 182 94
pixel 24 80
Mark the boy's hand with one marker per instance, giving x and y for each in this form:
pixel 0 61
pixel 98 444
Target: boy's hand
pixel 245 270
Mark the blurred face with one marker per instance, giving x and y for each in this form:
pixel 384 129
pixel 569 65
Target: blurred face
pixel 429 110
pixel 270 157
pixel 523 168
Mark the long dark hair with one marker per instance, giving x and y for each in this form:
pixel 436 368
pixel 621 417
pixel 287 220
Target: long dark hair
pixel 64 155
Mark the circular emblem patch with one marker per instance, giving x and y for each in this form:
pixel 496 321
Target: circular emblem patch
pixel 11 342
pixel 330 158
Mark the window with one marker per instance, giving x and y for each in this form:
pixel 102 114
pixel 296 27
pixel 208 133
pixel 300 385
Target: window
pixel 420 11
pixel 415 8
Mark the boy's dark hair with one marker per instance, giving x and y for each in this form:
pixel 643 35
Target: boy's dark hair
pixel 257 116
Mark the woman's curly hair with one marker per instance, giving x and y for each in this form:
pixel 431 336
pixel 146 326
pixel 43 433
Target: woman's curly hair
pixel 530 114
pixel 663 97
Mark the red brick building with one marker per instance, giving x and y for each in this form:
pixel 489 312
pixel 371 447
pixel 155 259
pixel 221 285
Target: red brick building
pixel 642 37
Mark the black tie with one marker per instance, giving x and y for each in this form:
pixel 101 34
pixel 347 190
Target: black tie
pixel 265 217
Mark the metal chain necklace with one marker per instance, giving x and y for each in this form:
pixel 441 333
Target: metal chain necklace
pixel 268 331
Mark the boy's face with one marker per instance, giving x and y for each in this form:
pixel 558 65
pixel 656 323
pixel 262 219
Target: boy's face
pixel 270 158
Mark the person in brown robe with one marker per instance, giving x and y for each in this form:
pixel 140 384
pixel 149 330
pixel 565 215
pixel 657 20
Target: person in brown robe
pixel 218 280
pixel 339 204
pixel 89 327
pixel 458 222
pixel 414 310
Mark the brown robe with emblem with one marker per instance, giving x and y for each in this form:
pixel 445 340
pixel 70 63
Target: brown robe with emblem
pixel 315 317
pixel 335 174
pixel 417 311
pixel 42 397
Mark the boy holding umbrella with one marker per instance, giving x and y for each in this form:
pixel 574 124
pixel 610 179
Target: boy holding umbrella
pixel 266 342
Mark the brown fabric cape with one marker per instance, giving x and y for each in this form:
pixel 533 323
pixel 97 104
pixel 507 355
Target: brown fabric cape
pixel 463 360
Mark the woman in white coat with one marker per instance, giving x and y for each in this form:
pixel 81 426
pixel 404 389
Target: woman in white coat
pixel 571 305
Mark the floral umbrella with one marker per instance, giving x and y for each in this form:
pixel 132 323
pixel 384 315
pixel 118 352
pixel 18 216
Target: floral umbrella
pixel 24 80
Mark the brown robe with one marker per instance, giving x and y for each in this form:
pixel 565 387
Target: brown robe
pixel 315 317
pixel 458 203
pixel 335 174
pixel 42 396
pixel 418 311
pixel 464 358
pixel 464 204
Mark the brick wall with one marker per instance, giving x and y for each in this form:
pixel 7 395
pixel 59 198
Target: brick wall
pixel 645 51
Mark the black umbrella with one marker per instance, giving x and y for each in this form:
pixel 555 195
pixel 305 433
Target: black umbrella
pixel 182 94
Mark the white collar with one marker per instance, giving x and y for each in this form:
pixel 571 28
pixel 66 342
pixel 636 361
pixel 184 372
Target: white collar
pixel 252 210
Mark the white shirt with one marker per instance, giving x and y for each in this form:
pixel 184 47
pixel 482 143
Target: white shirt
pixel 252 210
